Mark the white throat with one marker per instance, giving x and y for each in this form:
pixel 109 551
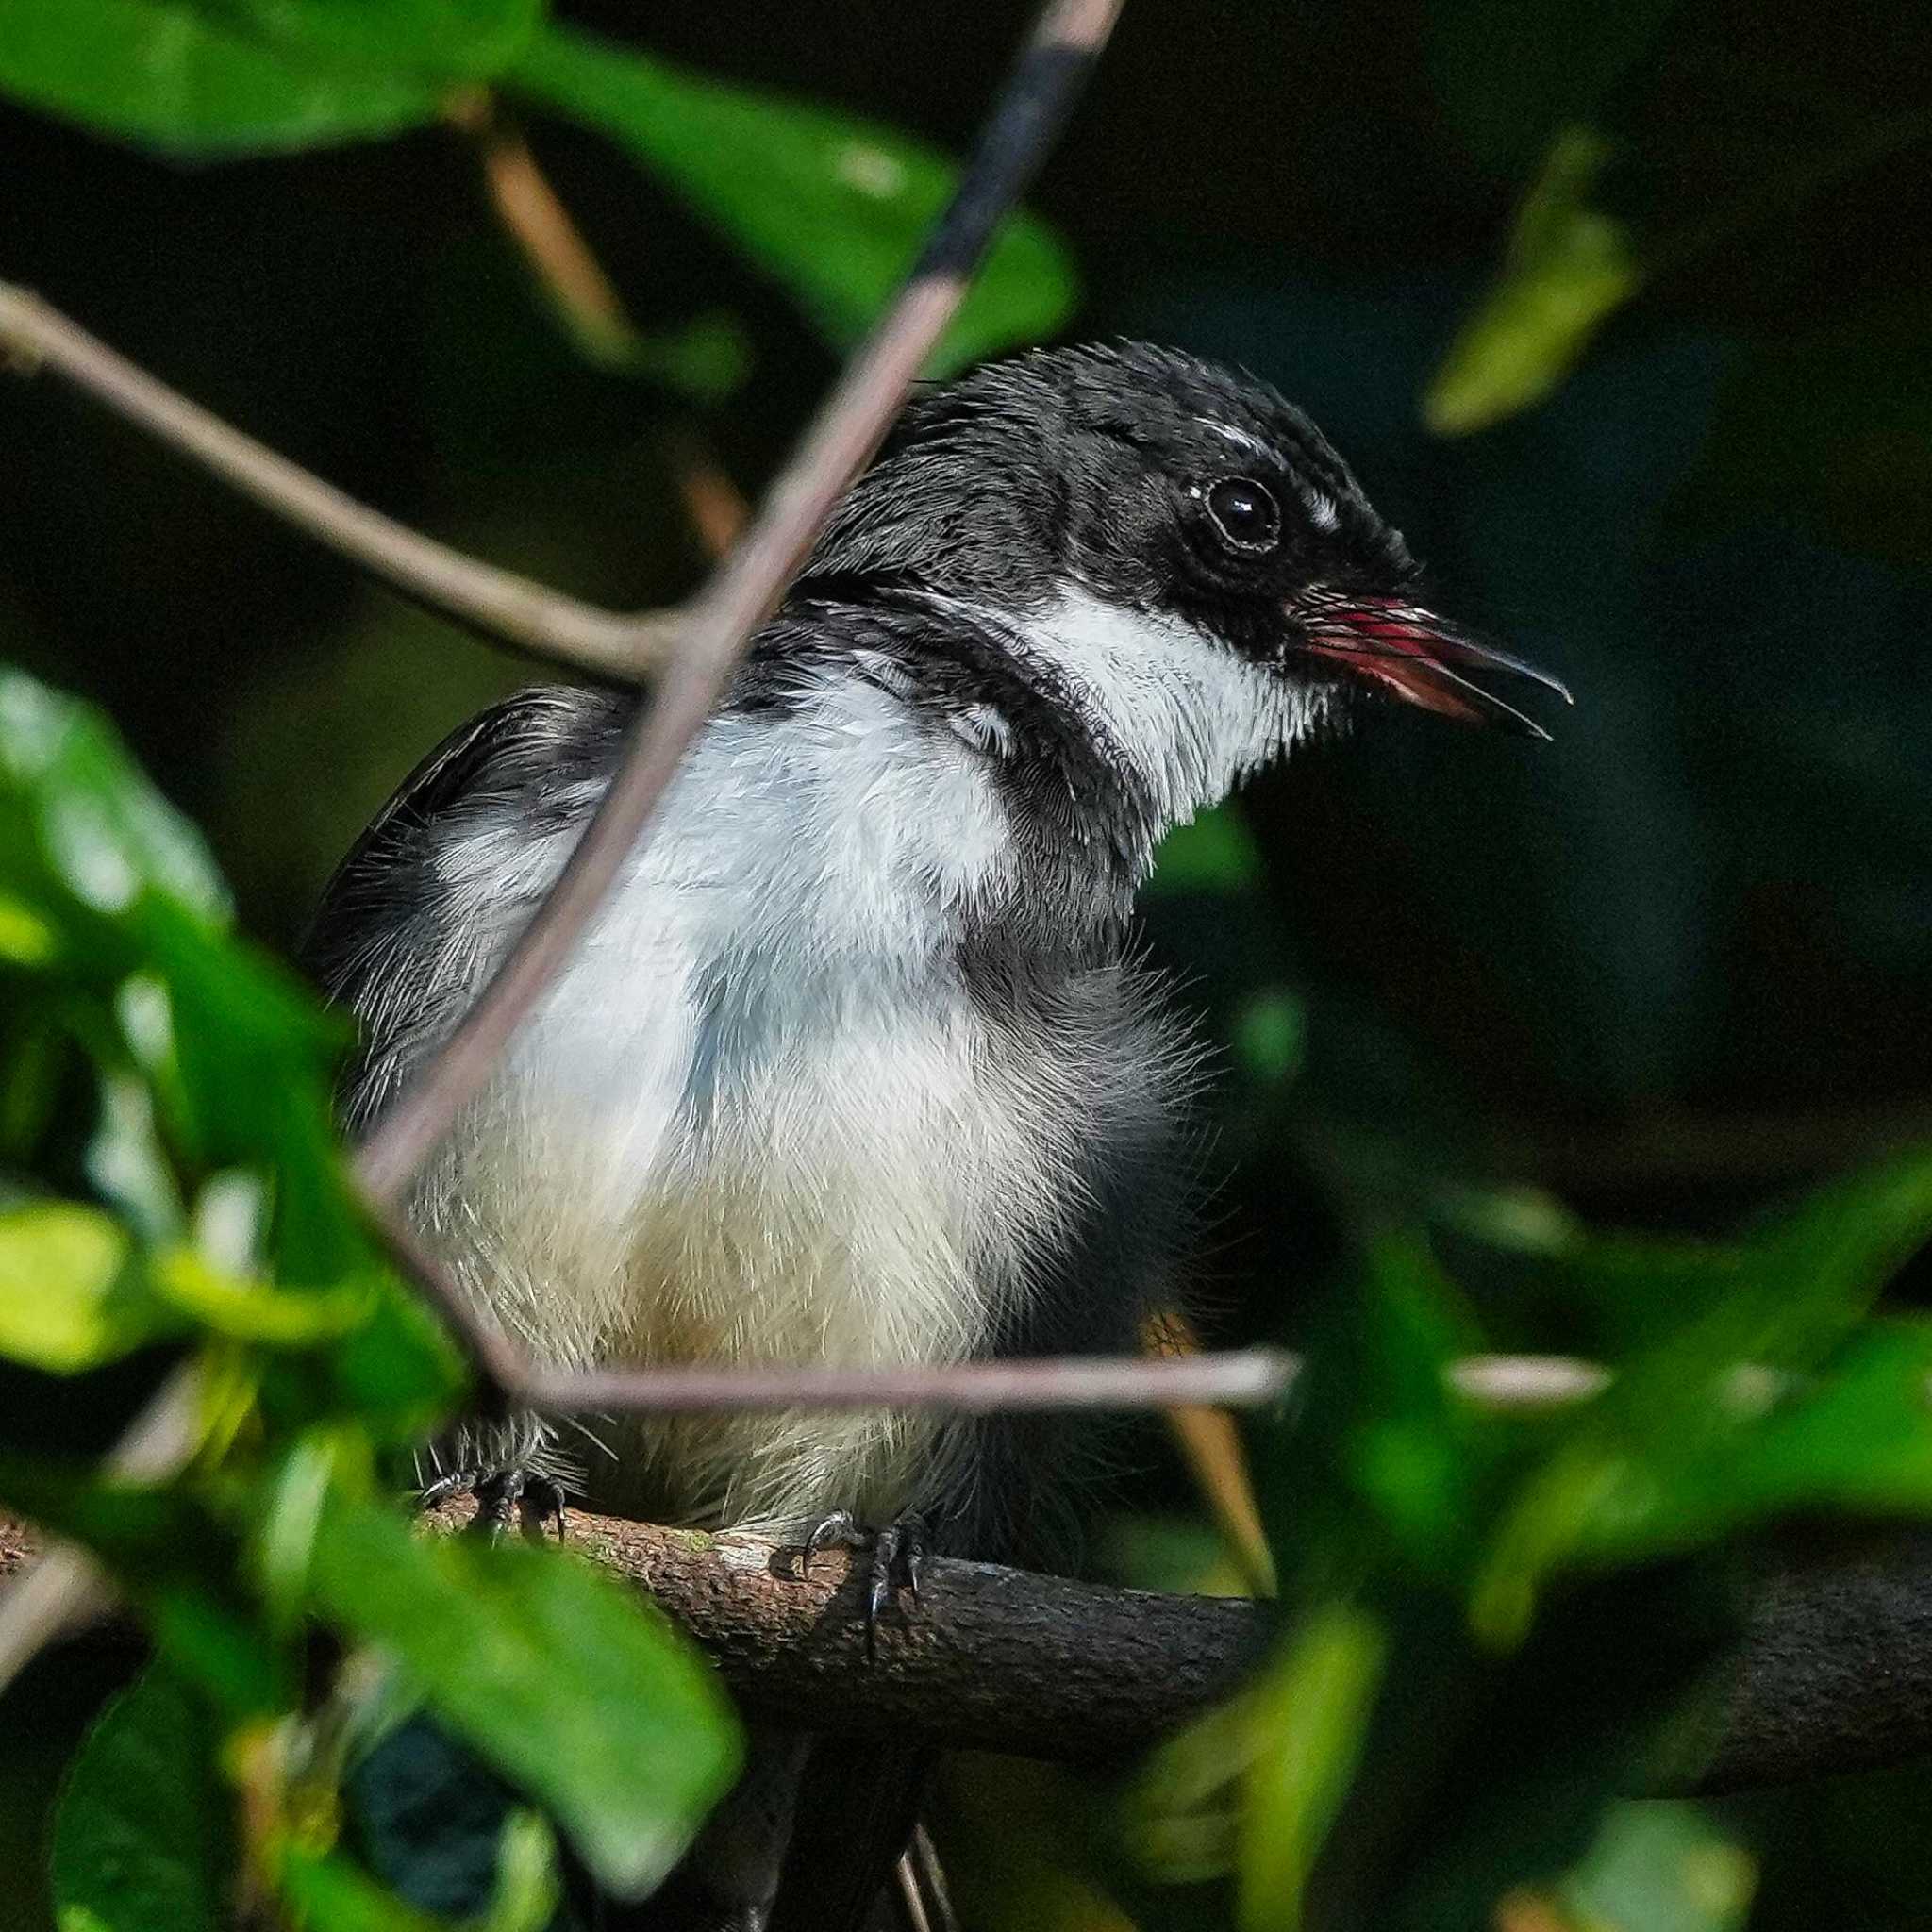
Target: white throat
pixel 1193 715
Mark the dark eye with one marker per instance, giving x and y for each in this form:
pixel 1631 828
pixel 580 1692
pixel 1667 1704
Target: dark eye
pixel 1245 513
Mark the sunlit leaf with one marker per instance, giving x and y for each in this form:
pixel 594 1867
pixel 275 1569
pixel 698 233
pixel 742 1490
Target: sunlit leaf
pixel 71 1297
pixel 1311 1716
pixel 833 208
pixel 1569 268
pixel 26 937
pixel 144 1838
pixel 188 76
pixel 254 1310
pixel 1660 1868
pixel 72 801
pixel 579 1693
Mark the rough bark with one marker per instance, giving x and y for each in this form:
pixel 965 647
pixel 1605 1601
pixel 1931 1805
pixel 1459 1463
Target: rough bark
pixel 1834 1673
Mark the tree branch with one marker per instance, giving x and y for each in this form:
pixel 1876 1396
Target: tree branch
pixel 495 603
pixel 1834 1672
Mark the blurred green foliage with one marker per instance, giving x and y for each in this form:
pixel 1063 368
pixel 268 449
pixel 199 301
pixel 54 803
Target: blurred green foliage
pixel 832 208
pixel 241 1250
pixel 1649 264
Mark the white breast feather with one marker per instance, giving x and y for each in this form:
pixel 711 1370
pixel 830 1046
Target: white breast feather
pixel 757 1119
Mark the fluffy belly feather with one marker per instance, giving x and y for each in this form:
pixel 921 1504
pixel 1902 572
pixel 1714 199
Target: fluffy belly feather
pixel 880 1203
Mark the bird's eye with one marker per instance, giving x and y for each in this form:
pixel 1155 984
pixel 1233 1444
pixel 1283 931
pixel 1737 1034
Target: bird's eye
pixel 1245 513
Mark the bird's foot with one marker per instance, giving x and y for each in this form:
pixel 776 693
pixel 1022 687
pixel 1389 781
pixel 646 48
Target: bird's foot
pixel 898 1560
pixel 527 1498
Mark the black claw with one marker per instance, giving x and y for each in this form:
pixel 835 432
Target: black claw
pixel 499 1500
pixel 898 1557
pixel 525 1497
pixel 457 1482
pixel 897 1561
pixel 878 1588
pixel 841 1526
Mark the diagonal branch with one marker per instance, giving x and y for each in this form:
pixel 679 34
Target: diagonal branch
pixel 500 605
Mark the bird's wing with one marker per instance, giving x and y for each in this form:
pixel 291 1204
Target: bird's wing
pixel 388 934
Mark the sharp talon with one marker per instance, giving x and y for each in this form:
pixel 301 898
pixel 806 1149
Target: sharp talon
pixel 540 1500
pixel 458 1482
pixel 885 1557
pixel 499 1498
pixel 841 1526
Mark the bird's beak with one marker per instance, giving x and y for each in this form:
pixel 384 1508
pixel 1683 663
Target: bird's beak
pixel 1416 655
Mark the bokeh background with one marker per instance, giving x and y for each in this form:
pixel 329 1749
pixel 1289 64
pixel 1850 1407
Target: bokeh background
pixel 1662 970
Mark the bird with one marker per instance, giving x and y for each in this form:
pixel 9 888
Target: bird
pixel 858 1063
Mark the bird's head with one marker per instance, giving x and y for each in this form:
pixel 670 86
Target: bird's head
pixel 1177 539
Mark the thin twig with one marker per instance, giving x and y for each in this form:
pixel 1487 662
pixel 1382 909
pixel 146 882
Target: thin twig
pixel 1246 1378
pixel 537 221
pixel 495 603
pixel 718 626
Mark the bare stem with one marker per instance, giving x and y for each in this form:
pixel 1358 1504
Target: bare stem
pixel 499 605
pixel 541 225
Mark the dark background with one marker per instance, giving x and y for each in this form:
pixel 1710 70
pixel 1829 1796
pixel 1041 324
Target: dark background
pixel 1666 968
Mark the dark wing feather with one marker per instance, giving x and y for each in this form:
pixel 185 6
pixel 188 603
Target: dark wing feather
pixel 385 925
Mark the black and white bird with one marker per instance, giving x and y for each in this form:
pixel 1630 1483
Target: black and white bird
pixel 856 1066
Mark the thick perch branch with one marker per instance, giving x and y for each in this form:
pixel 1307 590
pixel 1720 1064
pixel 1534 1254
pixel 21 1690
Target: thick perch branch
pixel 1834 1673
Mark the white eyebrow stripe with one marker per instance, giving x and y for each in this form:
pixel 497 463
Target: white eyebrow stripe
pixel 1236 436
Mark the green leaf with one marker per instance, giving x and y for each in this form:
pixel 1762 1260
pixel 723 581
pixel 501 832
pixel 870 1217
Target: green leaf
pixel 189 77
pixel 1312 1717
pixel 26 937
pixel 230 1055
pixel 70 799
pixel 1268 1034
pixel 177 1562
pixel 254 1310
pixel 453 38
pixel 1213 853
pixel 1660 1867
pixel 575 1690
pixel 70 1296
pixel 1691 1442
pixel 832 206
pixel 144 1838
pixel 1570 267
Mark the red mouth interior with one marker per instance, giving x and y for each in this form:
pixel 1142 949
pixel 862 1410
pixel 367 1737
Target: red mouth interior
pixel 1407 650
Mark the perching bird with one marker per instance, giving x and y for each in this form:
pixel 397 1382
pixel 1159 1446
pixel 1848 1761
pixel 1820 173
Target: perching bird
pixel 856 1066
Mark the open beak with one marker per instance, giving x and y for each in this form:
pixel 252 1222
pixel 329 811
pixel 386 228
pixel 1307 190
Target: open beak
pixel 1418 656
